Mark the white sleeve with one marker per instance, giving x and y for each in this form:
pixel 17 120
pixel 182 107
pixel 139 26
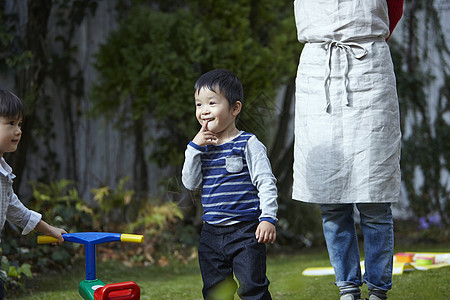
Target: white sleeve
pixel 262 177
pixel 191 174
pixel 21 216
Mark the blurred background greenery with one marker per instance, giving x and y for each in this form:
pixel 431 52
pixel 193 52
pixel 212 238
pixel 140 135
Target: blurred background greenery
pixel 108 89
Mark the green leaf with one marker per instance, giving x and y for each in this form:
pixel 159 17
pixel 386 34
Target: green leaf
pixel 26 269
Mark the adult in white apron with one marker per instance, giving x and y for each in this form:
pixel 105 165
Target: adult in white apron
pixel 347 135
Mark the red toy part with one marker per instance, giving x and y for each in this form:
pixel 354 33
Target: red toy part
pixel 127 290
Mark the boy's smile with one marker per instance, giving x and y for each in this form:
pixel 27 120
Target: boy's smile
pixel 10 134
pixel 214 109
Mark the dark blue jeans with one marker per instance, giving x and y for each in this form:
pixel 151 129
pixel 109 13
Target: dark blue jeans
pixel 225 250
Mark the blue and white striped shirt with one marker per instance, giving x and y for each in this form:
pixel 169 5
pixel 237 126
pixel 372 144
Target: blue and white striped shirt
pixel 236 180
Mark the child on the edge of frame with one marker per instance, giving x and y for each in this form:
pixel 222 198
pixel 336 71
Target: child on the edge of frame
pixel 239 194
pixel 11 209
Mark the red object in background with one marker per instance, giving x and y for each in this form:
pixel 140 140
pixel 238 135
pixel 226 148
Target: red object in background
pixel 395 11
pixel 127 290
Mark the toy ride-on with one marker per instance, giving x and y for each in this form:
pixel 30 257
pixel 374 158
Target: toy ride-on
pixel 92 288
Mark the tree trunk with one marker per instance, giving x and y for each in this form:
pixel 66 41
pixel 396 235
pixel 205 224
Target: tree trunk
pixel 30 80
pixel 140 164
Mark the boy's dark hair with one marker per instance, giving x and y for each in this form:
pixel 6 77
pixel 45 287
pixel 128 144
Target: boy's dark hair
pixel 10 105
pixel 226 81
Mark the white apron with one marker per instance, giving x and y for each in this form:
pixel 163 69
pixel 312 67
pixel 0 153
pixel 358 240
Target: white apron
pixel 347 128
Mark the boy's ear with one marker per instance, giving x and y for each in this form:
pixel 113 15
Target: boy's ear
pixel 236 109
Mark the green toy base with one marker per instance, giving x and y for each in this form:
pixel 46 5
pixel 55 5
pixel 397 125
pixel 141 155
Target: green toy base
pixel 86 288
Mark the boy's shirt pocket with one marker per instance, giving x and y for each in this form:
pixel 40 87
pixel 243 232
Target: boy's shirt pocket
pixel 234 163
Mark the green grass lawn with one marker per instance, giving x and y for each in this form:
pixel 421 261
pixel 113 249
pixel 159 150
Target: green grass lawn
pixel 183 282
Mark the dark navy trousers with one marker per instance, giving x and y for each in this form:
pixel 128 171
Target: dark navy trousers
pixel 234 249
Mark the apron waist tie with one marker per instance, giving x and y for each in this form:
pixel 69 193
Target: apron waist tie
pixel 354 49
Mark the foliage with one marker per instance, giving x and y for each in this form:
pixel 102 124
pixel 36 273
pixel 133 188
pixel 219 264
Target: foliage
pixel 167 239
pixel 113 207
pixel 426 230
pixel 426 127
pixel 37 53
pixel 59 201
pixel 9 58
pixel 299 226
pixel 166 236
pixel 65 73
pixel 147 68
pixel 59 204
pixel 11 273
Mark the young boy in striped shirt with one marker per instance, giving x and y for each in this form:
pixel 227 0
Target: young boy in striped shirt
pixel 239 194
